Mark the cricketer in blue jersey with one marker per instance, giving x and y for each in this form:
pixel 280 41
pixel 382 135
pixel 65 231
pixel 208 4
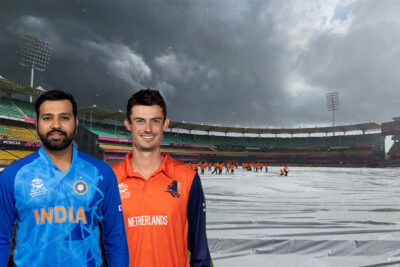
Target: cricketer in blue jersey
pixel 57 196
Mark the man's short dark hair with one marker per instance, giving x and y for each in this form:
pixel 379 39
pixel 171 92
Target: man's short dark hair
pixel 146 97
pixel 55 95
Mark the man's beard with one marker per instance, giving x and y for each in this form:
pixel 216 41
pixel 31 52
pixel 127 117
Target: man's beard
pixel 56 144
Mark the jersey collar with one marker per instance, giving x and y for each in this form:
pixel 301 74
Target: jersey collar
pixel 165 167
pixel 43 153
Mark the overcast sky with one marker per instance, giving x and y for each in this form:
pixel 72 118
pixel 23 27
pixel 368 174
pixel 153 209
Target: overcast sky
pixel 228 62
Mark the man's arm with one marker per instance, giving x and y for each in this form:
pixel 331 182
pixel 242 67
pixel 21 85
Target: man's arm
pixel 196 214
pixel 113 223
pixel 8 215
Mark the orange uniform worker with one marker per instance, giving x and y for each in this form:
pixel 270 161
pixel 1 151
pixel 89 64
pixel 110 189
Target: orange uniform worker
pixel 216 164
pixel 220 168
pixel 202 167
pixel 162 199
pixel 286 170
pixel 256 166
pixel 227 168
pixel 196 167
pixel 232 168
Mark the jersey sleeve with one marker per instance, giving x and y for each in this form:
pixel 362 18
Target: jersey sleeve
pixel 8 214
pixel 114 236
pixel 197 238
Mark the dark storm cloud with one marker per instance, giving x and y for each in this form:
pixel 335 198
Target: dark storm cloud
pixel 361 64
pixel 248 63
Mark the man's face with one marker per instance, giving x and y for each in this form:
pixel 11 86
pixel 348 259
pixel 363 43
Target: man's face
pixel 56 124
pixel 147 125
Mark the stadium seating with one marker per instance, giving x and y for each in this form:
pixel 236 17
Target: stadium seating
pixel 4 155
pixel 169 138
pixel 20 153
pixel 202 139
pixel 26 108
pixel 219 140
pixel 100 130
pixel 236 141
pixel 185 138
pixel 18 133
pixel 251 142
pixel 108 130
pixel 7 108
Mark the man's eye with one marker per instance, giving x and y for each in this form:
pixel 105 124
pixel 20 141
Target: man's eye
pixel 139 121
pixel 65 118
pixel 156 121
pixel 46 118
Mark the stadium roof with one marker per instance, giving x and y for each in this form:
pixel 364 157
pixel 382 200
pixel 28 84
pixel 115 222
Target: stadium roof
pixel 98 113
pixel 208 128
pixel 10 87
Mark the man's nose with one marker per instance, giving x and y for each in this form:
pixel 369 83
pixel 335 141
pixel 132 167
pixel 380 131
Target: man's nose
pixel 148 126
pixel 56 123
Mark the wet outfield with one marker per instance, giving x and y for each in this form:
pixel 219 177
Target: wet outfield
pixel 313 217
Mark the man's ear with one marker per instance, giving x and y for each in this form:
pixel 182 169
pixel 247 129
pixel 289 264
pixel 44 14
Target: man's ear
pixel 76 125
pixel 128 124
pixel 166 124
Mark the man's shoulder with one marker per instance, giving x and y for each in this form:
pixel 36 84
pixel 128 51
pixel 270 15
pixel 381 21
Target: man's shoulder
pixel 179 168
pixel 14 167
pixel 99 164
pixel 119 165
pixel 120 168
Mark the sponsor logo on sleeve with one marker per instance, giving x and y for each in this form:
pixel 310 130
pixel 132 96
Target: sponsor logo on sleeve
pixel 37 188
pixel 124 191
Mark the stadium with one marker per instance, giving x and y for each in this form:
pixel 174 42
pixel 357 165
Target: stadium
pixel 319 215
pixel 102 134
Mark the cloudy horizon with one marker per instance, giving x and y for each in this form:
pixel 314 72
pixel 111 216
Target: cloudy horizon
pixel 241 63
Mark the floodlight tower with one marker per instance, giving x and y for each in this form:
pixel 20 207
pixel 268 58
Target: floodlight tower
pixel 332 101
pixel 35 54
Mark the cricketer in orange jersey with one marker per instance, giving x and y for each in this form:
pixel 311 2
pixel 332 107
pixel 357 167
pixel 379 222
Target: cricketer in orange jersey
pixel 162 199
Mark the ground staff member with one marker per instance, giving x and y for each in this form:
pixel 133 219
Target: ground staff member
pixel 58 195
pixel 162 199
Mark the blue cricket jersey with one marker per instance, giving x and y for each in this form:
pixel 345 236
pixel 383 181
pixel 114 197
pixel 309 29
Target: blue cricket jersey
pixel 57 214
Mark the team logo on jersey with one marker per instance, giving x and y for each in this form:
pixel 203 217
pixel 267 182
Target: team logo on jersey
pixel 37 188
pixel 124 191
pixel 174 189
pixel 80 187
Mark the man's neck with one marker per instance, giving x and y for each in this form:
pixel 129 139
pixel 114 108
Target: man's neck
pixel 146 162
pixel 61 158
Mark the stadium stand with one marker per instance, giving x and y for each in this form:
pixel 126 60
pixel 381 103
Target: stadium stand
pixel 5 155
pixel 19 153
pixel 19 133
pixel 26 108
pixel 101 134
pixel 8 109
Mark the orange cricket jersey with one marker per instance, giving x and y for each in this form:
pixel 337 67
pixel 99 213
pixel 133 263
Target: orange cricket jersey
pixel 156 214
